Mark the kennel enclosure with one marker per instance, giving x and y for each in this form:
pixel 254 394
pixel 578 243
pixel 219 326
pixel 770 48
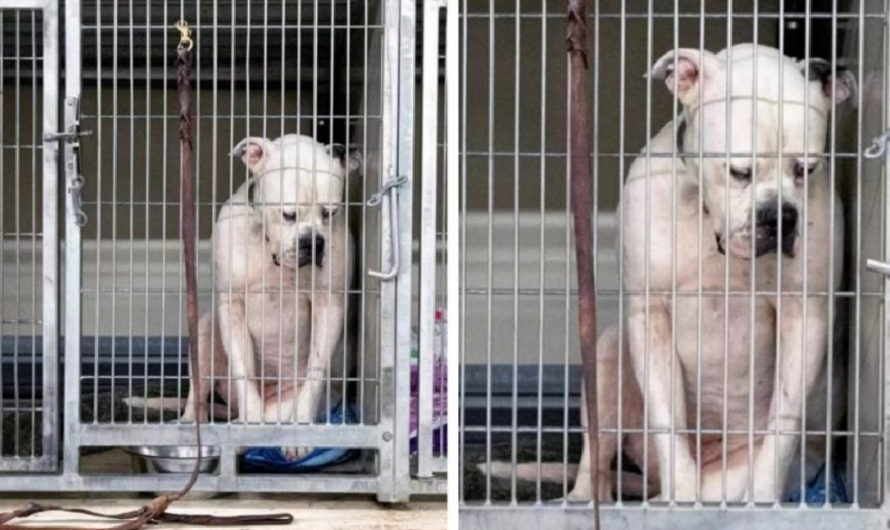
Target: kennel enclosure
pixel 93 296
pixel 520 431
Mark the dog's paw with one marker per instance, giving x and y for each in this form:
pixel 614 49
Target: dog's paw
pixel 683 492
pixel 583 491
pixel 189 416
pixel 295 453
pixel 580 493
pixel 253 415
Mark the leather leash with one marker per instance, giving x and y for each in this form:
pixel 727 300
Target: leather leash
pixel 156 511
pixel 579 157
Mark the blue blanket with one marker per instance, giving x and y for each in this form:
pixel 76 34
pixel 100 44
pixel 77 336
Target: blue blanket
pixel 272 460
pixel 815 492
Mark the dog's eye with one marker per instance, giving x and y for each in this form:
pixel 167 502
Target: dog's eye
pixel 290 217
pixel 743 174
pixel 800 170
pixel 328 212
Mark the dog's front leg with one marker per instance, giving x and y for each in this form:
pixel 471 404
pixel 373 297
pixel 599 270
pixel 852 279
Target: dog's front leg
pixel 327 324
pixel 650 348
pixel 239 347
pixel 774 458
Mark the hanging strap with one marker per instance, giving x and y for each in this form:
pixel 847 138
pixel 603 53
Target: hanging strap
pixel 582 191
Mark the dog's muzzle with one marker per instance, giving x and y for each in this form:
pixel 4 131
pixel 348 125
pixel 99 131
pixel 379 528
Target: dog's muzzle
pixel 766 238
pixel 309 248
pixel 768 229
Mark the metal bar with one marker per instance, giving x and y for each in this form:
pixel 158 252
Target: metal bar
pixel 883 481
pixel 541 270
pixel 239 434
pixel 457 91
pixel 802 439
pixel 428 198
pixel 752 285
pixel 490 263
pixel 724 442
pixel 405 149
pixel 388 346
pixel 351 484
pixel 622 101
pixel 777 395
pixel 832 301
pixel 622 15
pixel 857 303
pixel 514 442
pixel 699 271
pixel 18 230
pixel 50 288
pixel 147 216
pixel 73 253
pixel 656 518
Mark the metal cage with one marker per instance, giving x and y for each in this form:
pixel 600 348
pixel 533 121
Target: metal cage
pixel 97 315
pixel 520 431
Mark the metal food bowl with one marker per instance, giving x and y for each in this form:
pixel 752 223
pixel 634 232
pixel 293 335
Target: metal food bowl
pixel 174 459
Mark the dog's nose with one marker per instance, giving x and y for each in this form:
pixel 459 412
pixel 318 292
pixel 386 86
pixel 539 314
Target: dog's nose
pixel 768 216
pixel 311 246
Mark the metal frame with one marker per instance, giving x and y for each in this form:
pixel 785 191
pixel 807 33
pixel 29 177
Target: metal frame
pixel 506 395
pixel 49 435
pixel 427 464
pixel 392 480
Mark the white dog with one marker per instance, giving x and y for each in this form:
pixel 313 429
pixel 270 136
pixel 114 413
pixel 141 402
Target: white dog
pixel 753 211
pixel 738 201
pixel 283 263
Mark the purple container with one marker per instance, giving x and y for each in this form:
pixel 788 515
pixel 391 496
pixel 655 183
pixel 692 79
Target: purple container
pixel 440 408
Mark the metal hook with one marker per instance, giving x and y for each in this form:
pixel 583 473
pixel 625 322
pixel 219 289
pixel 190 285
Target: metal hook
pixel 377 198
pixel 878 146
pixel 390 191
pixel 185 35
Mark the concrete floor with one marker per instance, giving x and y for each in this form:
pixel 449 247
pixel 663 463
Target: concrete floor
pixel 309 512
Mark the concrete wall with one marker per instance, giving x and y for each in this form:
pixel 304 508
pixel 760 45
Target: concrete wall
pixel 511 109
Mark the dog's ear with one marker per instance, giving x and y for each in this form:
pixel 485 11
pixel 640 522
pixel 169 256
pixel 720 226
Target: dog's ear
pixel 254 151
pixel 836 81
pixel 351 161
pixel 685 69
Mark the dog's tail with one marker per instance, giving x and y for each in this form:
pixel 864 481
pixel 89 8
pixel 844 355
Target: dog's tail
pixel 552 472
pixel 556 472
pixel 172 404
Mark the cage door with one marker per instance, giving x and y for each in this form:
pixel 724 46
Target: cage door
pixel 29 269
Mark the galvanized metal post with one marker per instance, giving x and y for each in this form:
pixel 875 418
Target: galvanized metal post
pixel 51 313
pixel 387 490
pixel 404 286
pixel 73 249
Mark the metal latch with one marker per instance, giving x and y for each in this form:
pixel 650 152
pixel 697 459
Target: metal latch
pixel 72 118
pixel 389 193
pixel 71 139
